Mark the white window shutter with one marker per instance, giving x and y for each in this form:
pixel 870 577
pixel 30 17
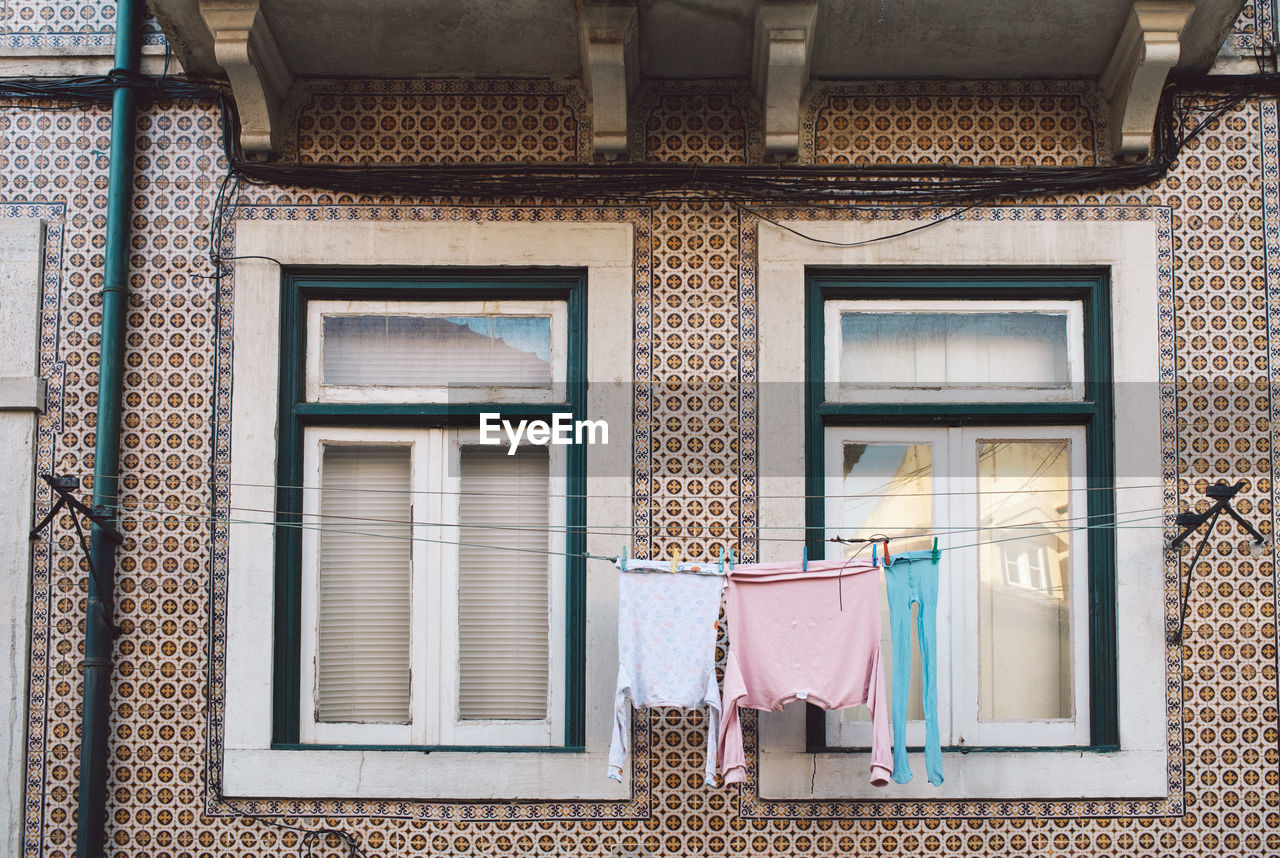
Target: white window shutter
pixel 503 594
pixel 363 658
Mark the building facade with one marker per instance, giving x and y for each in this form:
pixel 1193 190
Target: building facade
pixel 697 315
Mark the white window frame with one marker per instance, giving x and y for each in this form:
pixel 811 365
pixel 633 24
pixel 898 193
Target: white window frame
pixel 969 728
pixel 838 389
pixel 956 508
pixel 434 685
pixel 251 765
pixel 851 733
pixel 317 391
pixel 455 730
pixel 1126 246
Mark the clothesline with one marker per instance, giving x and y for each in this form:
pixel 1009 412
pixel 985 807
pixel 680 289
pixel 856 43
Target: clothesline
pixel 667 529
pixel 1130 524
pixel 661 498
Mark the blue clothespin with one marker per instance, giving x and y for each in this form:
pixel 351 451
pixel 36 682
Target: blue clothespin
pixel 874 560
pixel 624 558
pixel 730 558
pixel 804 559
pixel 937 555
pixel 721 559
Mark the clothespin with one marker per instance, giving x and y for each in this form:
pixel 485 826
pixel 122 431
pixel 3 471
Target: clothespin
pixel 937 555
pixel 874 561
pixel 886 551
pixel 804 559
pixel 675 559
pixel 624 558
pixel 721 559
pixel 730 558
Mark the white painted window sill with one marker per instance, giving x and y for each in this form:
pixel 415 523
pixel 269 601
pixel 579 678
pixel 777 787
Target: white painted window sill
pixel 977 775
pixel 416 775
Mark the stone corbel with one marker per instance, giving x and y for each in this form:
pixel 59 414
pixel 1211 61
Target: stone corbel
pixel 780 71
pixel 1134 77
pixel 610 72
pixel 245 47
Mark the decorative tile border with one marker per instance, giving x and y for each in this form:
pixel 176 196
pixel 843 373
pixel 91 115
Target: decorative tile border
pixel 639 805
pixel 48 428
pixel 752 806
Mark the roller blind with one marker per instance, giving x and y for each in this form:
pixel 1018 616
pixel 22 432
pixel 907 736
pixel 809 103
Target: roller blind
pixel 921 349
pixel 436 351
pixel 365 552
pixel 503 595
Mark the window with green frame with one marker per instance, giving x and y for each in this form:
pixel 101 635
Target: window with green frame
pixel 429 587
pixel 975 407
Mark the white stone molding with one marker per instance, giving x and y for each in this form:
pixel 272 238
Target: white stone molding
pixel 21 393
pixel 251 766
pixel 780 71
pixel 21 271
pixel 245 47
pixel 1148 48
pixel 610 72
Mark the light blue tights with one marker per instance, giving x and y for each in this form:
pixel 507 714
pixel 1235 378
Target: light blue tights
pixel 912 576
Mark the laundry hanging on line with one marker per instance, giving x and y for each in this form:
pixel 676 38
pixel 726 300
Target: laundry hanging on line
pixel 666 650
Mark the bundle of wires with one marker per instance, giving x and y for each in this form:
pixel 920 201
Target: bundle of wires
pixel 1187 106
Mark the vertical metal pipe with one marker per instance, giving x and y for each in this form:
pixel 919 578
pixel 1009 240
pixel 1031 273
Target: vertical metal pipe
pixel 91 822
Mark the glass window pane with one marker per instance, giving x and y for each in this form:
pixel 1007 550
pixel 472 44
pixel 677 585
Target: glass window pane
pixel 1025 580
pixel 887 489
pixel 365 550
pixel 985 350
pixel 422 351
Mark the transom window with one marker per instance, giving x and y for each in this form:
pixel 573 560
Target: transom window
pixel 975 410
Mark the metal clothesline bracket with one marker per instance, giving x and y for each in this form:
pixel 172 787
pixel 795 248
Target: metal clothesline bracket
pixel 65 487
pixel 1222 495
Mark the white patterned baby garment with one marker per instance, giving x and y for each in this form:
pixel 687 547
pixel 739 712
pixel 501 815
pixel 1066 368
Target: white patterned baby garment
pixel 666 649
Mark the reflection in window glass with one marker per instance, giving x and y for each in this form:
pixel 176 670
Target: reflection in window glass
pixel 1024 592
pixel 434 351
pixel 954 349
pixel 887 489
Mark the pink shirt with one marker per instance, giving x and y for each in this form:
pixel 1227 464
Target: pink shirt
pixel 812 636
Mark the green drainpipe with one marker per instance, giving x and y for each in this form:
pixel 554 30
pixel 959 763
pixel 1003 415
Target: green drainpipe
pixel 99 643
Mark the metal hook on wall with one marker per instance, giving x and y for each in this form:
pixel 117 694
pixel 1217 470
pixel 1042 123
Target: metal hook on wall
pixel 1190 522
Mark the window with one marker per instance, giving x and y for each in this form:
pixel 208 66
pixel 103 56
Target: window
pixel 346 431
pixel 431 568
pixel 1016 365
pixel 1046 407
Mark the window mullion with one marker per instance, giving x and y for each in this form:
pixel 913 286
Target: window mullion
pixel 426 505
pixel 962 502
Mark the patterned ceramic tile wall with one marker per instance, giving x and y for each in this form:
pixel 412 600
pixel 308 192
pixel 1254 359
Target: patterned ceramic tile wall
pixel 1255 28
pixel 66 24
pixel 696 123
pixel 935 122
pixel 437 121
pixel 695 319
